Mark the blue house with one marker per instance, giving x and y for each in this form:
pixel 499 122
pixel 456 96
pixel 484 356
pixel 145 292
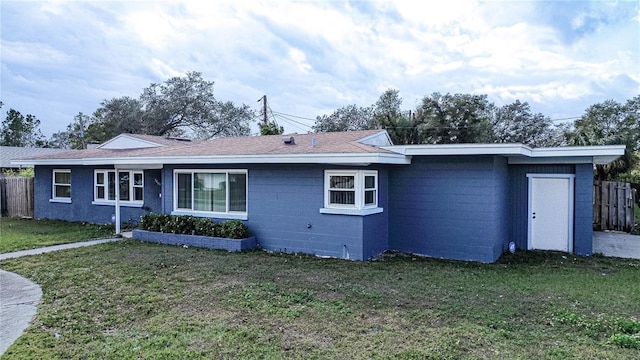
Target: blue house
pixel 348 195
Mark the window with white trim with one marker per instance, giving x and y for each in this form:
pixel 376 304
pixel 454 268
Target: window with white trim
pixel 130 182
pixel 210 191
pixel 61 188
pixel 351 189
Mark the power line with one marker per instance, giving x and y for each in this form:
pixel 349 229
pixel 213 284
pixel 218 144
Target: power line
pixel 294 122
pixel 294 116
pixel 297 122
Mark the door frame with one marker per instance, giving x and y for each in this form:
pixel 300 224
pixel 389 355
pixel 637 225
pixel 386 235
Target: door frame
pixel 571 178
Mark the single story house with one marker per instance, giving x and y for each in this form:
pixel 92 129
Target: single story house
pixel 349 195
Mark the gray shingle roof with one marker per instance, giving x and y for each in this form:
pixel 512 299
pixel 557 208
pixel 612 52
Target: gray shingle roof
pixel 8 153
pixel 324 143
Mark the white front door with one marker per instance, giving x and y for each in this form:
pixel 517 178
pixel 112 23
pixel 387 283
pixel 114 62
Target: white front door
pixel 551 212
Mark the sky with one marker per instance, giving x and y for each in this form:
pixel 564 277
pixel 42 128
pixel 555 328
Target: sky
pixel 310 58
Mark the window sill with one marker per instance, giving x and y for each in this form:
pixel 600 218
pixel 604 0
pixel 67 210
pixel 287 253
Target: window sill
pixel 122 203
pixel 356 212
pixel 63 201
pixel 227 216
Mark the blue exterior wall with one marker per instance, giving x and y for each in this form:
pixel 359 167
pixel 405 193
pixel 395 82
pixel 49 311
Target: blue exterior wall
pixel 81 208
pixel 376 227
pixel 283 211
pixel 519 191
pixel 450 207
pixel 456 207
pixel 501 193
pixel 583 231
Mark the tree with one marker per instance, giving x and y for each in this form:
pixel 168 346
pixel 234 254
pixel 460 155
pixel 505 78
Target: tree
pixel 402 129
pixel 20 130
pixel 83 130
pixel 610 123
pixel 452 119
pixel 60 140
pixel 180 106
pixel 514 123
pixel 270 128
pixel 123 115
pixel 227 119
pixel 347 118
pixel 187 104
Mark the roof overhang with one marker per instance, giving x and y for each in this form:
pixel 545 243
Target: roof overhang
pixel 156 162
pixel 519 153
pixel 401 155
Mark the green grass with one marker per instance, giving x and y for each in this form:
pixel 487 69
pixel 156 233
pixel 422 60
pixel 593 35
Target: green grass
pixel 145 301
pixel 21 234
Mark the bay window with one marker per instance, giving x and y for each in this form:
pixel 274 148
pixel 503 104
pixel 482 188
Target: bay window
pixel 351 192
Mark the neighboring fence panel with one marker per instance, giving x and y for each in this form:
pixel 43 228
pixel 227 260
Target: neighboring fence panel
pixel 17 196
pixel 613 206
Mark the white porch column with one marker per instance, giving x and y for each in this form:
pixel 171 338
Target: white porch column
pixel 117 201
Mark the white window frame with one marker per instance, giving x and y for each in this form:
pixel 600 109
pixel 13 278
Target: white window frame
pixel 55 198
pixel 228 214
pixel 359 207
pixel 132 186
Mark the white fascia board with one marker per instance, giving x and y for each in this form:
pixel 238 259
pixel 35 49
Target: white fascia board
pixel 353 158
pixel 461 149
pixel 608 150
pixel 519 153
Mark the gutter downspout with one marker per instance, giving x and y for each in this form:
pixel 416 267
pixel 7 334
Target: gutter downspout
pixel 117 201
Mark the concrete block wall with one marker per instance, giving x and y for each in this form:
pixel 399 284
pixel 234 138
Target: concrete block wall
pixel 81 207
pixel 449 207
pixel 283 212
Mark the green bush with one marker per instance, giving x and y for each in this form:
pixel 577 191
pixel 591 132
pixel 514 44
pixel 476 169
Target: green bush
pixel 234 229
pixel 155 222
pixel 206 227
pixel 186 224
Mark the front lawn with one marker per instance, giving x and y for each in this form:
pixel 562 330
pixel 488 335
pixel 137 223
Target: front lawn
pixel 134 300
pixel 21 234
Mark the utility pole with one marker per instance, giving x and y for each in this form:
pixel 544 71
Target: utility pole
pixel 81 121
pixel 264 109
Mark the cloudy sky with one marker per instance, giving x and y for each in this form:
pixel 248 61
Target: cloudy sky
pixel 311 57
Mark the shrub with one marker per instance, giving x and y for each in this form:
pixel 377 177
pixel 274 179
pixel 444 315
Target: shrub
pixel 206 227
pixel 186 224
pixel 182 224
pixel 155 222
pixel 234 229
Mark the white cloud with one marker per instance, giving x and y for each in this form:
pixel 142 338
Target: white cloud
pixel 32 54
pixel 300 60
pixel 313 57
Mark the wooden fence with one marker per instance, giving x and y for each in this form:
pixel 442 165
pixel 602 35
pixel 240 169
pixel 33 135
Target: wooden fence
pixel 16 196
pixel 613 206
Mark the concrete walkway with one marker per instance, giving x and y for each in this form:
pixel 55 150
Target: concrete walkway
pixel 17 254
pixel 19 297
pixel 617 244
